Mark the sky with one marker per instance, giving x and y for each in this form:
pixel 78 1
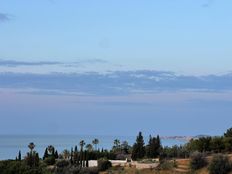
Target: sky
pixel 115 67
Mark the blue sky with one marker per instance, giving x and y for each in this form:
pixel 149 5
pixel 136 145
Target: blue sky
pixel 159 64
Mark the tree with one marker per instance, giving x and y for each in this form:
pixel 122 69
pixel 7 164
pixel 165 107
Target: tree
pixel 51 150
pixel 220 164
pixel 71 156
pixel 66 154
pixel 89 147
pixel 32 159
pixel 228 133
pixel 228 143
pixel 82 143
pixel 217 144
pixel 153 147
pixel 117 143
pixel 125 147
pixel 56 155
pixel 31 146
pixel 138 151
pixel 75 156
pixel 197 161
pixel 116 147
pixel 45 154
pixel 203 144
pixel 19 156
pixel 95 143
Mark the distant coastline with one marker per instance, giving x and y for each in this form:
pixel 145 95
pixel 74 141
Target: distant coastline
pixel 181 138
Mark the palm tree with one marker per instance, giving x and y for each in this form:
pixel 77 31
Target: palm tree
pixel 82 143
pixel 89 147
pixel 66 154
pixel 116 143
pixel 95 143
pixel 31 146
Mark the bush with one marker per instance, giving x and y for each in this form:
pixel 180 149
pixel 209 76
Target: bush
pixel 103 164
pixel 90 170
pixel 197 161
pixel 20 167
pixel 50 160
pixel 62 163
pixel 220 164
pixel 167 165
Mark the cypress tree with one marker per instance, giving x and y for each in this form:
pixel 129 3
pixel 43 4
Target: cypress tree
pixel 153 147
pixel 20 156
pixel 87 159
pixel 138 151
pixel 158 145
pixel 53 152
pixel 45 154
pixel 71 159
pixel 75 156
pixel 56 155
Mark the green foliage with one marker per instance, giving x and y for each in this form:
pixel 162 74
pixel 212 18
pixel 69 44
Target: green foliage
pixel 228 133
pixel 197 161
pixel 20 167
pixel 50 160
pixel 211 144
pixel 103 164
pixel 138 151
pixel 66 154
pixel 167 164
pixel 153 148
pixel 227 141
pixel 56 155
pixel 125 147
pixel 174 152
pixel 217 144
pixel 220 164
pixel 202 144
pixel 45 154
pixel 95 143
pixel 62 164
pixel 32 159
pixel 19 156
pixel 92 170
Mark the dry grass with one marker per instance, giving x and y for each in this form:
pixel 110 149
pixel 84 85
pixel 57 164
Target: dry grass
pixel 181 162
pixel 138 171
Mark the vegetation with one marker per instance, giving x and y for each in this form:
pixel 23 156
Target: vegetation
pixel 76 161
pixel 197 161
pixel 104 164
pixel 138 151
pixel 167 165
pixel 220 164
pixel 154 147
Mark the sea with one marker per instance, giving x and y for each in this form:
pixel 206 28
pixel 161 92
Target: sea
pixel 10 145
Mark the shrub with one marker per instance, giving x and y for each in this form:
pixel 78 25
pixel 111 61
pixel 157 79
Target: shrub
pixel 62 163
pixel 50 160
pixel 167 165
pixel 20 167
pixel 197 161
pixel 90 170
pixel 220 164
pixel 104 164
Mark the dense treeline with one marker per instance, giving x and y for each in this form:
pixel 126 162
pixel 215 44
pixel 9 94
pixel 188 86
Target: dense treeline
pixel 151 150
pixel 217 144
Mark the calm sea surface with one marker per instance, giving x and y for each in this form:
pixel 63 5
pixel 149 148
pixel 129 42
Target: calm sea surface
pixel 11 144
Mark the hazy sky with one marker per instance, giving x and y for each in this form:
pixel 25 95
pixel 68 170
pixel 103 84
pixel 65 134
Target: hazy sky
pixel 161 66
pixel 192 36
